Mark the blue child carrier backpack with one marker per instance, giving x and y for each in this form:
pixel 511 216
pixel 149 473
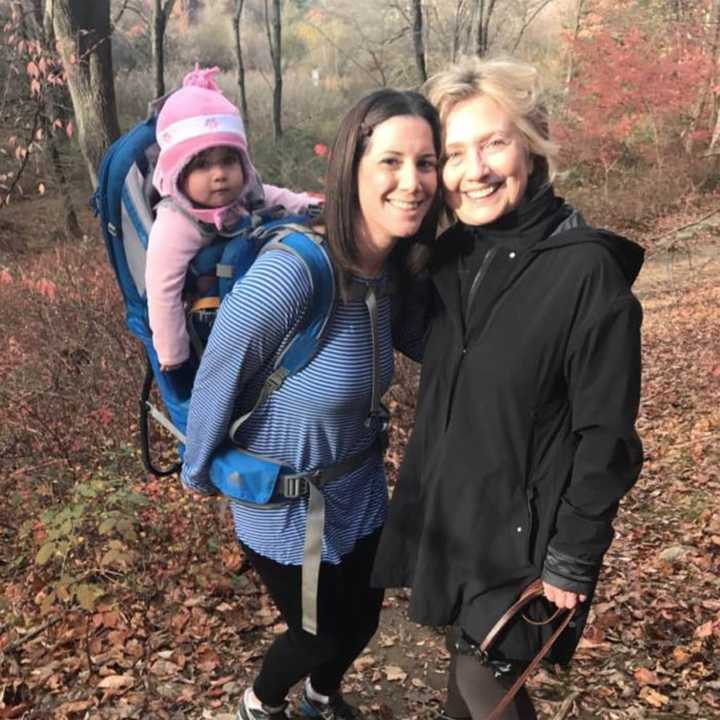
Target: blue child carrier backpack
pixel 124 201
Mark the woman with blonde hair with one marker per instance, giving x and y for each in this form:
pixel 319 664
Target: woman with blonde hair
pixel 524 441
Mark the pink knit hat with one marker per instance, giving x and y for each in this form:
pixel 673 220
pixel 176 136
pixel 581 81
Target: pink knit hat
pixel 194 118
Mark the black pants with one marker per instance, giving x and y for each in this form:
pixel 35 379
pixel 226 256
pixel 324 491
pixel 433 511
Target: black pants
pixel 473 691
pixel 348 615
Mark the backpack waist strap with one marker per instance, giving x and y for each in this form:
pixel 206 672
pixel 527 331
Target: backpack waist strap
pixel 296 485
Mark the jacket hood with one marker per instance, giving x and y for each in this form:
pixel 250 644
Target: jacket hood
pixel 573 231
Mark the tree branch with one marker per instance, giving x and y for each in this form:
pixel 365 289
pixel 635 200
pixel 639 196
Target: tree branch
pixel 131 7
pixel 660 239
pixel 268 33
pixel 339 49
pixel 31 635
pixel 26 157
pixel 529 21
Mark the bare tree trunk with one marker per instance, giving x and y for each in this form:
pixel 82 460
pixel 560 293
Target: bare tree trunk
pixel 715 140
pixel 160 16
pixel 418 44
pixel 274 37
pixel 237 20
pixel 44 35
pixel 479 25
pixel 82 30
pixel 457 29
pixel 482 29
pixel 569 73
pixel 479 40
pixel 71 226
pixel 710 81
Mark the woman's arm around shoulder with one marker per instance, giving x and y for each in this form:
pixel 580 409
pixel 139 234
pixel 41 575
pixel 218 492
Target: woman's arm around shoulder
pixel 411 312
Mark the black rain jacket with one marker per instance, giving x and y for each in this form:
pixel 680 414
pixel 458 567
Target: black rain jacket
pixel 524 440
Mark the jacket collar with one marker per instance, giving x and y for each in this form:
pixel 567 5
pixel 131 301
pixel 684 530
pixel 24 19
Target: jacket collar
pixel 454 241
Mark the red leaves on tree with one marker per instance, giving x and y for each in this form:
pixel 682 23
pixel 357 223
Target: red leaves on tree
pixel 634 87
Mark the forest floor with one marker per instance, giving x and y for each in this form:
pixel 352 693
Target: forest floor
pixel 124 597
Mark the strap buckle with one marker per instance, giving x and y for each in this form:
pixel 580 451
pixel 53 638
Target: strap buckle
pixel 297 486
pixel 275 380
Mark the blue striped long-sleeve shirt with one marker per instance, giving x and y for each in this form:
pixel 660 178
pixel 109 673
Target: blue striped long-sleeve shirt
pixel 317 418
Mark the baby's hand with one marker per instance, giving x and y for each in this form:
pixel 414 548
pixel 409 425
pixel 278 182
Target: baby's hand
pixel 168 368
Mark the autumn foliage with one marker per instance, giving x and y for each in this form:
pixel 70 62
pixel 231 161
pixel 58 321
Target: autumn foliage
pixel 37 87
pixel 125 597
pixel 641 103
pixel 622 104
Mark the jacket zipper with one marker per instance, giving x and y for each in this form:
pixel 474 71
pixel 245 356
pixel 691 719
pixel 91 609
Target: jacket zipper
pixel 529 497
pixel 479 277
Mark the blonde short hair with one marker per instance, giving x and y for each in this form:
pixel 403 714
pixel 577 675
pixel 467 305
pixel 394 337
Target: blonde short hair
pixel 514 85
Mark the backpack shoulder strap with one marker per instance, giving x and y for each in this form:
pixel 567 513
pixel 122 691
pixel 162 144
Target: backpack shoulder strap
pixel 309 246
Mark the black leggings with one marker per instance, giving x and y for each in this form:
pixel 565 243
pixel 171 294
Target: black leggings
pixel 348 614
pixel 473 692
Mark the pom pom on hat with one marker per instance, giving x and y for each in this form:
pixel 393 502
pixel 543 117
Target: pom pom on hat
pixel 194 118
pixel 204 78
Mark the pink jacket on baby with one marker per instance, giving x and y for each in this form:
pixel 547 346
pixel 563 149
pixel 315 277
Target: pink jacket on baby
pixel 174 241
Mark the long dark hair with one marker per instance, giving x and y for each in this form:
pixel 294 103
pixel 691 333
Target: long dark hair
pixel 341 195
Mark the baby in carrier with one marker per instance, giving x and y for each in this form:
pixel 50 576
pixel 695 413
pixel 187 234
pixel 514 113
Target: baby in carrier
pixel 208 184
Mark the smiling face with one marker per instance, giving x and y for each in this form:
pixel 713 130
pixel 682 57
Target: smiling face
pixel 214 178
pixel 487 161
pixel 397 179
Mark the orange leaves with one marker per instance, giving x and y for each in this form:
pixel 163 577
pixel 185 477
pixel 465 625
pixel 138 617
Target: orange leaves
pixel 643 677
pixel 116 682
pixel 46 288
pixel 36 70
pixel 180 631
pixel 654 698
pixel 207 659
pixel 73 709
pixel 708 629
pixel 103 415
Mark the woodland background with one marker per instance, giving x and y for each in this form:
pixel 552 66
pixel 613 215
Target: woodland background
pixel 124 597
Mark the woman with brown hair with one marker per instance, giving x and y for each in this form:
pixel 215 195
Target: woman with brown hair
pixel 524 442
pixel 325 423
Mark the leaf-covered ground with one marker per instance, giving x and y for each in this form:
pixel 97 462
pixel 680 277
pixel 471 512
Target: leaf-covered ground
pixel 124 597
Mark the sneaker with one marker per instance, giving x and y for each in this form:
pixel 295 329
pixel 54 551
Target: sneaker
pixel 335 709
pixel 264 713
